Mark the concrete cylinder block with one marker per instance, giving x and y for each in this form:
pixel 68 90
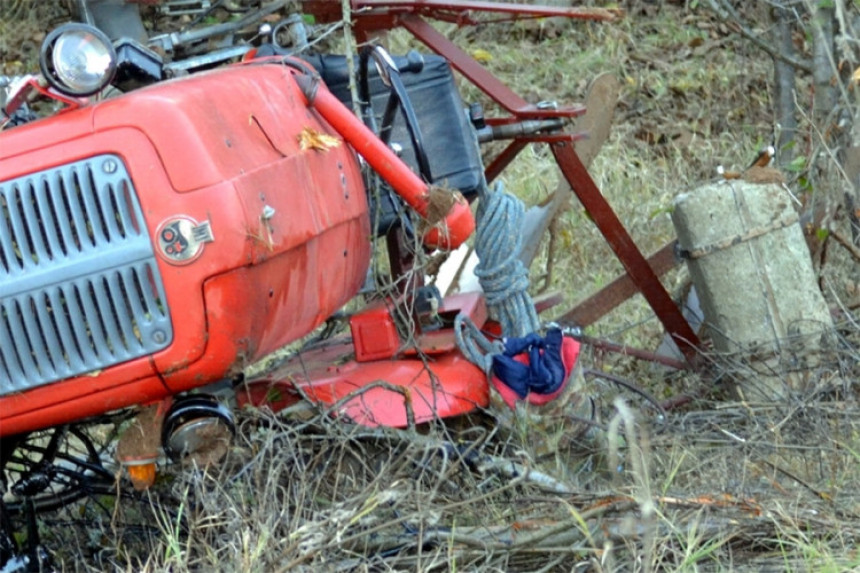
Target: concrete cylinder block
pixel 751 268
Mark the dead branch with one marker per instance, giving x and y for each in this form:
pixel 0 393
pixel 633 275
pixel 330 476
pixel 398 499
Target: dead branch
pixel 847 243
pixel 727 12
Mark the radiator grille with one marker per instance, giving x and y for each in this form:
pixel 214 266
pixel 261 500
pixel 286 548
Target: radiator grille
pixel 79 287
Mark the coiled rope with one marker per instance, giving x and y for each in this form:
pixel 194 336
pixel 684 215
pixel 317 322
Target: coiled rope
pixel 503 277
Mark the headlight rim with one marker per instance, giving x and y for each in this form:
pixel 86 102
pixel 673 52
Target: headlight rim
pixel 46 59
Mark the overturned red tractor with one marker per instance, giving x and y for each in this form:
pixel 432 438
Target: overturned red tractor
pixel 166 239
pixel 158 242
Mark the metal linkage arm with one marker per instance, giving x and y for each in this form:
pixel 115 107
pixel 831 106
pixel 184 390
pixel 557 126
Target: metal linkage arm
pixel 625 249
pixel 375 15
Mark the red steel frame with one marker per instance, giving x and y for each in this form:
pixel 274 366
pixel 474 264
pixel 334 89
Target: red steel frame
pixel 370 16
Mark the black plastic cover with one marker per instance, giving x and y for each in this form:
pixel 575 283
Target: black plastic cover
pixel 442 117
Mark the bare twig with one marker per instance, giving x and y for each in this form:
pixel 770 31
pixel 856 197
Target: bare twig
pixel 847 243
pixel 630 386
pixel 725 11
pixel 402 390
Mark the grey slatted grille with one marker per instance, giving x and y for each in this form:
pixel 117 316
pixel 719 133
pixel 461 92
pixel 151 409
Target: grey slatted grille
pixel 80 290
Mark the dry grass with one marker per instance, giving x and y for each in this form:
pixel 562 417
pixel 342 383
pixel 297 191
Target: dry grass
pixel 718 487
pixel 715 485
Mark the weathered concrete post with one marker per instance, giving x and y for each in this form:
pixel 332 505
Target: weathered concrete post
pixel 752 270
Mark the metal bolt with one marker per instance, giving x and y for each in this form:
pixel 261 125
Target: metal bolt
pixel 109 166
pixel 159 337
pixel 268 212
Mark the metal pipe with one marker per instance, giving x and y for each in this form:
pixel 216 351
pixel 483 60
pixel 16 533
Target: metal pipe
pixel 457 225
pixel 170 42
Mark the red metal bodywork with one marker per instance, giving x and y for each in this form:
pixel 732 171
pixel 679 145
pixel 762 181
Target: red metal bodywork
pixel 220 146
pixel 396 393
pixel 375 378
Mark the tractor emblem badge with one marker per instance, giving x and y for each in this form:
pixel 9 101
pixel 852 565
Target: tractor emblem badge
pixel 181 239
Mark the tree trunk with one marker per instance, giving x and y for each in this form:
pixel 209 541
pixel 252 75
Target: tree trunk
pixel 784 87
pixel 823 68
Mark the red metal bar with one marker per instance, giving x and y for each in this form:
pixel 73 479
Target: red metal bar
pixel 503 159
pixel 408 185
pixel 603 301
pixel 638 353
pixel 625 249
pixel 509 153
pixel 461 12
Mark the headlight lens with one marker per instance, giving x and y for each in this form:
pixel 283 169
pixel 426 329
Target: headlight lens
pixel 78 59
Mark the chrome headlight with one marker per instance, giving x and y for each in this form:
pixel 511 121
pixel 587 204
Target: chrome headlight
pixel 78 59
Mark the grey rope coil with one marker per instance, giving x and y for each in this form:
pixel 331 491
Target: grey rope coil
pixel 503 277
